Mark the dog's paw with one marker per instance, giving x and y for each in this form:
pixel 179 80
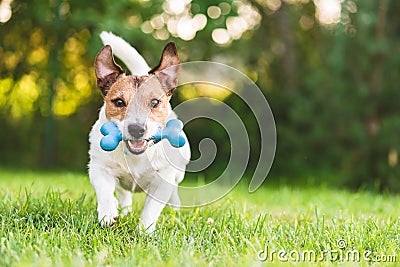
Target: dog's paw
pixel 108 215
pixel 174 202
pixel 107 221
pixel 148 229
pixel 125 211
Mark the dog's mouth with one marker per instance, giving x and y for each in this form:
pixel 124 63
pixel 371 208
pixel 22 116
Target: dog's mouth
pixel 137 146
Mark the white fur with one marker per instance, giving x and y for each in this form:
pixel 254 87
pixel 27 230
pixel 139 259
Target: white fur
pixel 157 171
pixel 124 51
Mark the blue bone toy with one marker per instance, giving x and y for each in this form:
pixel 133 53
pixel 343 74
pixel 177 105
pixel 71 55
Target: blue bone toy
pixel 172 132
pixel 112 136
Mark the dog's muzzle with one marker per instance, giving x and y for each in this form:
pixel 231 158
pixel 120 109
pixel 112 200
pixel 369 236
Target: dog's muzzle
pixel 137 146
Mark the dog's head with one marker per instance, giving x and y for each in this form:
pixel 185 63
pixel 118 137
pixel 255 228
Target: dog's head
pixel 138 105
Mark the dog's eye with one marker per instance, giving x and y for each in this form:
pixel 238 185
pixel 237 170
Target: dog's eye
pixel 119 103
pixel 154 103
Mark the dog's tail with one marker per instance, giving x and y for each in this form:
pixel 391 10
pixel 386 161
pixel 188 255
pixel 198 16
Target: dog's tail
pixel 124 51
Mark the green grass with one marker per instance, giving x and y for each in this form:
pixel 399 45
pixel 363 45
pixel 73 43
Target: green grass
pixel 49 219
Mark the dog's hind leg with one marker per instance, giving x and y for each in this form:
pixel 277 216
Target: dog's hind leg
pixel 175 202
pixel 158 195
pixel 125 200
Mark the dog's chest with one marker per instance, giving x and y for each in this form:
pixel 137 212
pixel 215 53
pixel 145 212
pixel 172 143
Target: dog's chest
pixel 136 172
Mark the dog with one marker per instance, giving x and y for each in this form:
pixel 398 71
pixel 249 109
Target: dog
pixel 138 103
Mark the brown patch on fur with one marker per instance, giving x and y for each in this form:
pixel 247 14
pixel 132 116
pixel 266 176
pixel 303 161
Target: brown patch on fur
pixel 169 58
pixel 137 91
pixel 160 114
pixel 141 90
pixel 107 71
pixel 152 89
pixel 168 68
pixel 123 88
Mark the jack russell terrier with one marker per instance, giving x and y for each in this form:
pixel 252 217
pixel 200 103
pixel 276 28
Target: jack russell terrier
pixel 138 104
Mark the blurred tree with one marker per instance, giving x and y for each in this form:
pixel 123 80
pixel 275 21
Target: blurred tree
pixel 328 69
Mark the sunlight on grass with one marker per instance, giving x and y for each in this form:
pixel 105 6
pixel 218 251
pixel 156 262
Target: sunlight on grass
pixel 49 219
pixel 16 182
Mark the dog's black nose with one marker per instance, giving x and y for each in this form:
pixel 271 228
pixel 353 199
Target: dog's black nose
pixel 136 130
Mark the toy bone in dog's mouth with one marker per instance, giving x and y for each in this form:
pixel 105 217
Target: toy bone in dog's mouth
pixel 172 132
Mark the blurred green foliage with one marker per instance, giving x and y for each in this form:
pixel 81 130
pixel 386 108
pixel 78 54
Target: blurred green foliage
pixel 333 87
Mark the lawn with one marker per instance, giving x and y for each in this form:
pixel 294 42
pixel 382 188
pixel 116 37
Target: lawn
pixel 49 219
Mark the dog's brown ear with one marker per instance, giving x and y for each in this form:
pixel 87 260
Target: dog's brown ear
pixel 168 68
pixel 107 71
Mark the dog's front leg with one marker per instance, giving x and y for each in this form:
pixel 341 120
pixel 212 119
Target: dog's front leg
pixel 158 195
pixel 104 185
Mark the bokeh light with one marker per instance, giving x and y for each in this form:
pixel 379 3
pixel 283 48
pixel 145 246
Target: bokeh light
pixel 220 36
pixel 178 20
pixel 214 12
pixel 328 11
pixel 274 5
pixel 5 11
